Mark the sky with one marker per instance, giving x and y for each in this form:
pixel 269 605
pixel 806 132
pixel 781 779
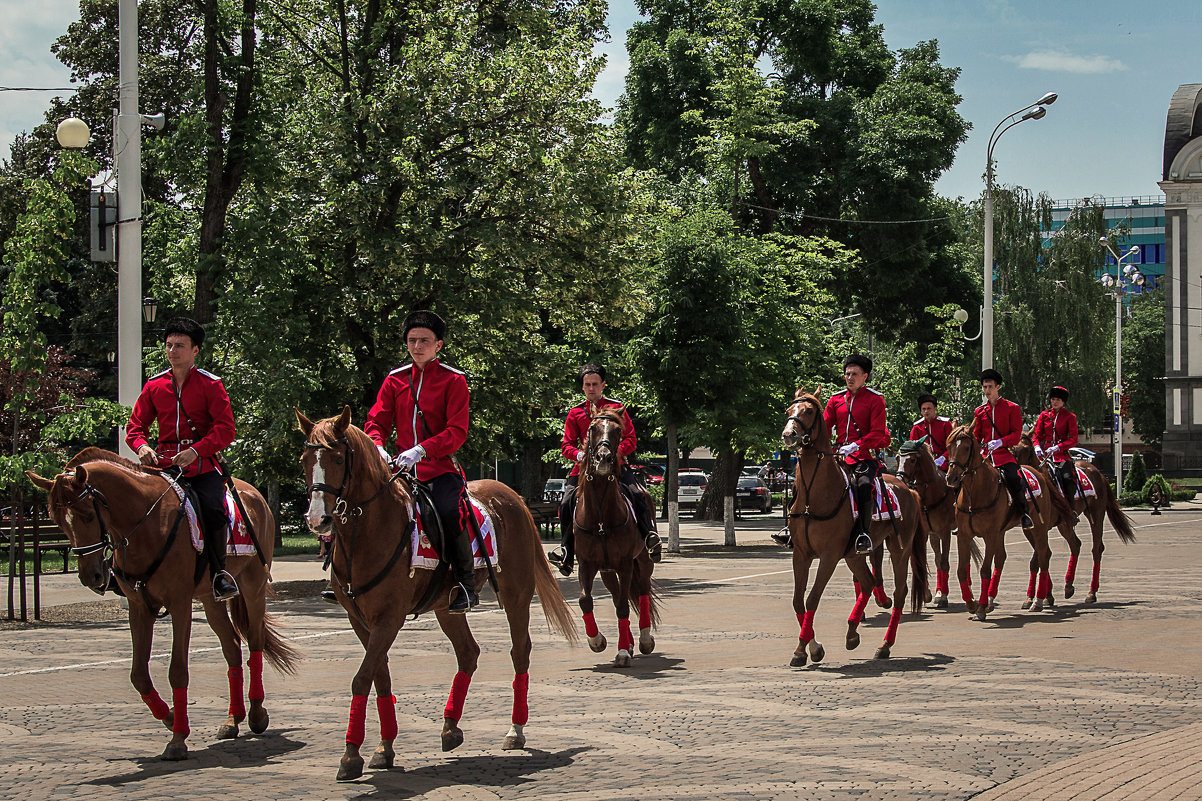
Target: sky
pixel 1114 65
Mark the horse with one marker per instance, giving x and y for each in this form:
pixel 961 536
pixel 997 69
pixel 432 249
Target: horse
pixel 608 541
pixel 917 468
pixel 983 509
pixel 1103 504
pixel 369 513
pixel 124 520
pixel 820 524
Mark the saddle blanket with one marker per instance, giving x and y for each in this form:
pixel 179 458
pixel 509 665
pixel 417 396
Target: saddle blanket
pixel 882 493
pixel 237 539
pixel 423 555
pixel 1032 480
pixel 1085 485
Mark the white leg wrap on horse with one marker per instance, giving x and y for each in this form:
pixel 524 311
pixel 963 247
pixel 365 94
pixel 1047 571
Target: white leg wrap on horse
pixel 515 730
pixel 814 647
pixel 644 636
pixel 595 642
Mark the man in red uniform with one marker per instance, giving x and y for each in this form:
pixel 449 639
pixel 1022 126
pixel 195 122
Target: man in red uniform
pixel 575 432
pixel 933 427
pixel 1055 432
pixel 856 416
pixel 999 424
pixel 195 424
pixel 427 403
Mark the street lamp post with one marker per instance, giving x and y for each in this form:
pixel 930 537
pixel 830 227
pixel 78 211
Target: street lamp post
pixel 1035 111
pixel 128 161
pixel 1124 277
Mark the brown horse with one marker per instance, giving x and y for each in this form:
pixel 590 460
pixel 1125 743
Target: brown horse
pixel 608 541
pixel 820 524
pixel 369 512
pixel 917 468
pixel 125 520
pixel 983 509
pixel 1103 504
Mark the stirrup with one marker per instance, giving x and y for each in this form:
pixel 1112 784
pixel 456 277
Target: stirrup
pixel 557 556
pixel 782 538
pixel 652 541
pixel 1027 521
pixel 463 598
pixel 863 543
pixel 227 592
pixel 328 596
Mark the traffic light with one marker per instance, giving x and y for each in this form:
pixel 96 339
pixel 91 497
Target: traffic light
pixel 101 225
pixel 1125 404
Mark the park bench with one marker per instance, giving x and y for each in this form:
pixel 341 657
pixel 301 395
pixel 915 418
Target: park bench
pixel 31 537
pixel 546 517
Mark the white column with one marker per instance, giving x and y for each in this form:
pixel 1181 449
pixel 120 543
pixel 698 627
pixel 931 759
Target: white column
pixel 129 216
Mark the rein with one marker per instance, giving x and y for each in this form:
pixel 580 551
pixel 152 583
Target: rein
pixel 589 474
pixel 966 474
pixel 807 443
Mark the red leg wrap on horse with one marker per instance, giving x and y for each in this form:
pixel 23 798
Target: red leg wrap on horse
pixel 237 705
pixel 590 625
pixel 984 601
pixel 1097 572
pixel 1071 573
pixel 255 663
pixel 357 726
pixel 1031 584
pixel 878 592
pixel 459 686
pixel 941 582
pixel 857 610
pixel 894 620
pixel 1045 583
pixel 994 581
pixel 644 611
pixel 158 707
pixel 521 710
pixel 625 640
pixel 179 700
pixel 386 709
pixel 966 590
pixel 807 625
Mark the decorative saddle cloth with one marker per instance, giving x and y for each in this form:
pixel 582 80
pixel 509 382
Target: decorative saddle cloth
pixel 1084 484
pixel 1032 479
pixel 423 555
pixel 882 494
pixel 237 539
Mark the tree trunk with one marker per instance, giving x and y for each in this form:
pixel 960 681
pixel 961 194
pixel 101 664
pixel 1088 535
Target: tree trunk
pixel 535 471
pixel 722 483
pixel 671 489
pixel 273 503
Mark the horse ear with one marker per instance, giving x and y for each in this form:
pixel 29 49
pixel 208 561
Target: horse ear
pixel 818 391
pixel 79 478
pixel 344 419
pixel 39 482
pixel 306 425
pixel 799 394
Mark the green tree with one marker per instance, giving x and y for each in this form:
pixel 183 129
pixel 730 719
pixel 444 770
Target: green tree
pixel 1143 365
pixel 1137 476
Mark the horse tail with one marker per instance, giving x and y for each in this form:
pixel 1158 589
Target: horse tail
pixel 918 570
pixel 1118 518
pixel 282 655
pixel 555 608
pixel 974 550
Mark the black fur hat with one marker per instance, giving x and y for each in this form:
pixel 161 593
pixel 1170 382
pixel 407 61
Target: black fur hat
pixel 186 326
pixel 1058 392
pixel 859 360
pixel 927 398
pixel 423 318
pixel 991 375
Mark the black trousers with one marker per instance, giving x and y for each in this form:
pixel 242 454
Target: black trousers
pixel 628 484
pixel 445 493
pixel 210 494
pixel 863 476
pixel 1016 484
pixel 1066 475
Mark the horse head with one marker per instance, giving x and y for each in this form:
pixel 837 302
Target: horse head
pixel 327 460
pixel 605 433
pixel 963 455
pixel 1024 451
pixel 805 426
pixel 75 508
pixel 915 463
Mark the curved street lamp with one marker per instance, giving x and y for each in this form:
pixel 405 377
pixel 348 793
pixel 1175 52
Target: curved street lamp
pixel 1035 111
pixel 1125 278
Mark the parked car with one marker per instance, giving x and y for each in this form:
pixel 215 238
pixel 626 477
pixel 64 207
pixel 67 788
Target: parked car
pixel 553 491
pixel 1081 454
pixel 752 493
pixel 652 473
pixel 690 487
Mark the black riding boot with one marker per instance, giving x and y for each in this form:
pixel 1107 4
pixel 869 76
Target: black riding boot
pixel 224 587
pixel 563 556
pixel 646 523
pixel 463 595
pixel 864 521
pixel 1018 495
pixel 1068 484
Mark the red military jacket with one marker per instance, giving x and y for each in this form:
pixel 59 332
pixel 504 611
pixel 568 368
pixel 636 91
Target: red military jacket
pixel 859 418
pixel 575 432
pixel 1006 425
pixel 203 400
pixel 441 394
pixel 1056 432
pixel 935 432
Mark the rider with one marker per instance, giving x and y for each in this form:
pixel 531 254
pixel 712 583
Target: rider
pixel 999 424
pixel 1054 433
pixel 857 417
pixel 427 402
pixel 933 427
pixel 575 432
pixel 195 424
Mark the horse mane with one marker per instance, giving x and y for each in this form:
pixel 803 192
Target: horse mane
pixel 364 446
pixel 960 431
pixel 94 454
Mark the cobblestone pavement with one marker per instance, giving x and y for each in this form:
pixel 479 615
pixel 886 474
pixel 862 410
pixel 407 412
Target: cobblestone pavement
pixel 1083 702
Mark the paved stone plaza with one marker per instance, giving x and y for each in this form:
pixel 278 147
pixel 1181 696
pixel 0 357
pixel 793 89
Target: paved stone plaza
pixel 1083 702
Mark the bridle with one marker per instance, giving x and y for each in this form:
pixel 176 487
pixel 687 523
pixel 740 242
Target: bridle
pixel 965 472
pixel 342 510
pixel 807 436
pixel 593 450
pixel 808 442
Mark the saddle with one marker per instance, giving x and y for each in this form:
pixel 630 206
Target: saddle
pixel 428 548
pixel 237 537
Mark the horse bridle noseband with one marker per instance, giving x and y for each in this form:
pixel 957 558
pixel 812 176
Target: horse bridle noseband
pixel 807 438
pixel 589 449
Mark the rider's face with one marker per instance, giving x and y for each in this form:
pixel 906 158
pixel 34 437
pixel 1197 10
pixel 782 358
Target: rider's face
pixel 990 390
pixel 593 386
pixel 423 345
pixel 1057 404
pixel 929 411
pixel 181 353
pixel 854 377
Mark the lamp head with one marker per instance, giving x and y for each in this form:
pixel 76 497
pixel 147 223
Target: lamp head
pixel 1037 113
pixel 1048 99
pixel 1134 249
pixel 960 316
pixel 73 134
pixel 1103 240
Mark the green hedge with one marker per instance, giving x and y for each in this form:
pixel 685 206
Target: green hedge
pixel 1143 497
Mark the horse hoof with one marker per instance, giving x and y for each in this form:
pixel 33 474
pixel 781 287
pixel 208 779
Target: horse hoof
pixel 971 606
pixel 981 613
pixel 1027 604
pixel 1069 590
pixel 452 738
pixel 382 759
pixel 350 769
pixel 884 602
pixel 622 659
pixel 940 602
pixel 228 731
pixel 515 740
pixel 174 752
pixel 1092 598
pixel 798 660
pixel 646 642
pixel 853 640
pixel 258 719
pixel 1037 606
pixel 882 652
pixel 1051 601
pixel 817 652
pixel 597 643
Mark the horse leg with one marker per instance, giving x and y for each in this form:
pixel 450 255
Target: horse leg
pixel 941 545
pixel 141 629
pixel 983 607
pixel 1031 583
pixel 620 590
pixel 384 757
pixel 1069 533
pixel 963 575
pixel 1095 526
pixel 878 579
pixel 254 597
pixel 231 649
pixel 900 556
pixel 518 615
pixel 642 588
pixel 467 654
pixel 810 644
pixel 177 674
pixel 801 572
pixel 376 643
pixel 596 640
pixel 858 569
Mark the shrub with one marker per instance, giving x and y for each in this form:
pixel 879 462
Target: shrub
pixel 1137 476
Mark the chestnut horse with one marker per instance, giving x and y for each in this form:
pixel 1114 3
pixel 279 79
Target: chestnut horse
pixel 1104 504
pixel 125 520
pixel 917 468
pixel 820 524
pixel 608 541
pixel 983 509
pixel 369 512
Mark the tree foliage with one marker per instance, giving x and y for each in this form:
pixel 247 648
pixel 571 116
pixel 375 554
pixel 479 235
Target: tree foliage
pixel 1143 365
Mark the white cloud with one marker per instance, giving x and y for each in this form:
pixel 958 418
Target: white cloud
pixel 1053 61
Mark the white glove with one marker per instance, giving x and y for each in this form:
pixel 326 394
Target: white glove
pixel 407 459
pixel 941 461
pixel 849 449
pixel 1039 451
pixel 994 444
pixel 384 454
pixel 580 456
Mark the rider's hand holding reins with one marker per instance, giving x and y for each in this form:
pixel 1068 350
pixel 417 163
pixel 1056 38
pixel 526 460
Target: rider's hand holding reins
pixel 148 456
pixel 849 449
pixel 994 444
pixel 185 457
pixel 407 459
